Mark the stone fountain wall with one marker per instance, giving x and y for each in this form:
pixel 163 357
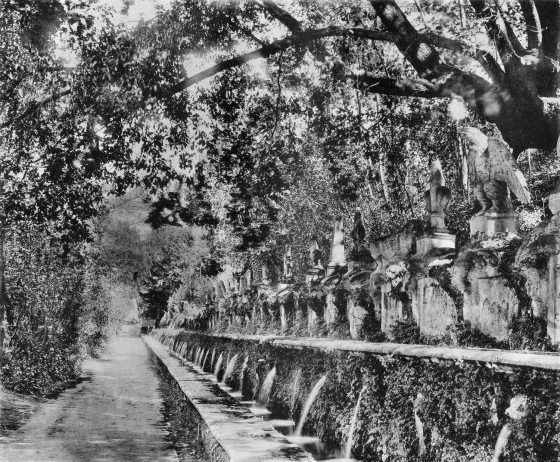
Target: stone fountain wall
pixel 461 407
pixel 501 284
pixel 494 283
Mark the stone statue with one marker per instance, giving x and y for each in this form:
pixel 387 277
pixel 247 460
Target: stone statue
pixel 315 272
pixel 315 254
pixel 492 170
pixel 437 198
pixel 360 251
pixel 337 265
pixel 337 252
pixel 248 278
pixel 288 264
pixel 265 280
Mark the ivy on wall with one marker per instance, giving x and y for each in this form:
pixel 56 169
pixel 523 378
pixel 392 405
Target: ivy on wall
pixel 462 407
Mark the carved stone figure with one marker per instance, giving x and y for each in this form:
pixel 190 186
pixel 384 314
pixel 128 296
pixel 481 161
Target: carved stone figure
pixel 315 271
pixel 492 170
pixel 337 264
pixel 437 198
pixel 360 251
pixel 265 280
pixel 288 265
pixel 436 246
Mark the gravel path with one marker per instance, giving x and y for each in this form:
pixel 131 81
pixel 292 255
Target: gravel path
pixel 114 415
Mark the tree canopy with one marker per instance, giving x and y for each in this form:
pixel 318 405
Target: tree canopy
pixel 263 120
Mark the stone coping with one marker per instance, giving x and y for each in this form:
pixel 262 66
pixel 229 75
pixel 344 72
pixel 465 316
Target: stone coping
pixel 490 356
pixel 229 431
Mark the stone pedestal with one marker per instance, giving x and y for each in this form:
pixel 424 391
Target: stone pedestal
pixel 554 202
pixel 391 309
pixel 490 224
pixel 356 314
pixel 283 322
pixel 489 303
pixel 357 283
pixel 432 307
pixel 331 311
pixel 553 314
pixel 436 240
pixel 311 321
pixel 314 275
pixel 333 275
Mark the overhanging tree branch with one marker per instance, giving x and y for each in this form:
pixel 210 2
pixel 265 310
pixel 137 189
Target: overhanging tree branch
pixel 532 23
pixel 294 26
pixel 263 52
pixel 394 87
pixel 282 15
pixel 34 106
pixel 298 39
pixel 487 61
pixel 308 36
pixel 424 58
pixel 497 36
pixel 549 15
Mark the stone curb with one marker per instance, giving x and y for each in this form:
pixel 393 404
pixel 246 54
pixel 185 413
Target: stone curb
pixel 229 431
pixel 491 357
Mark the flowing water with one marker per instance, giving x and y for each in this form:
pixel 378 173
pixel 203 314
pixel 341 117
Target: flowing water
pixel 312 396
pixel 348 451
pixel 229 368
pixel 312 444
pixel 242 373
pixel 200 358
pixel 264 394
pixel 212 359
pixel 297 377
pixel 282 317
pixel 204 359
pixel 218 365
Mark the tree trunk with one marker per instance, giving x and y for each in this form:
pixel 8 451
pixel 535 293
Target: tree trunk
pixel 5 312
pixel 519 112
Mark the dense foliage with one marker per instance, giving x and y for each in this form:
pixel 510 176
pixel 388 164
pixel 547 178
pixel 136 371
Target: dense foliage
pixel 255 153
pixel 59 310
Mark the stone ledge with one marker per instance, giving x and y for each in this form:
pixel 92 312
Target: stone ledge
pixel 507 358
pixel 229 431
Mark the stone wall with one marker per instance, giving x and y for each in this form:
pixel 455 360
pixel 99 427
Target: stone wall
pixel 492 284
pixel 417 402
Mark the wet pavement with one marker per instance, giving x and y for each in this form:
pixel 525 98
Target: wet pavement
pixel 123 411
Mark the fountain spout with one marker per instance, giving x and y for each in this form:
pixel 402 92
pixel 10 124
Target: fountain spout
pixel 312 396
pixel 204 359
pixel 218 365
pixel 294 391
pixel 242 373
pixel 348 449
pixel 264 394
pixel 212 358
pixel 229 368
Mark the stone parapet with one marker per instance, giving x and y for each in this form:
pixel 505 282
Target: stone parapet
pixel 229 431
pixel 493 357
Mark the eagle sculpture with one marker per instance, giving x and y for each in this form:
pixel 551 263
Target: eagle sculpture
pixel 492 170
